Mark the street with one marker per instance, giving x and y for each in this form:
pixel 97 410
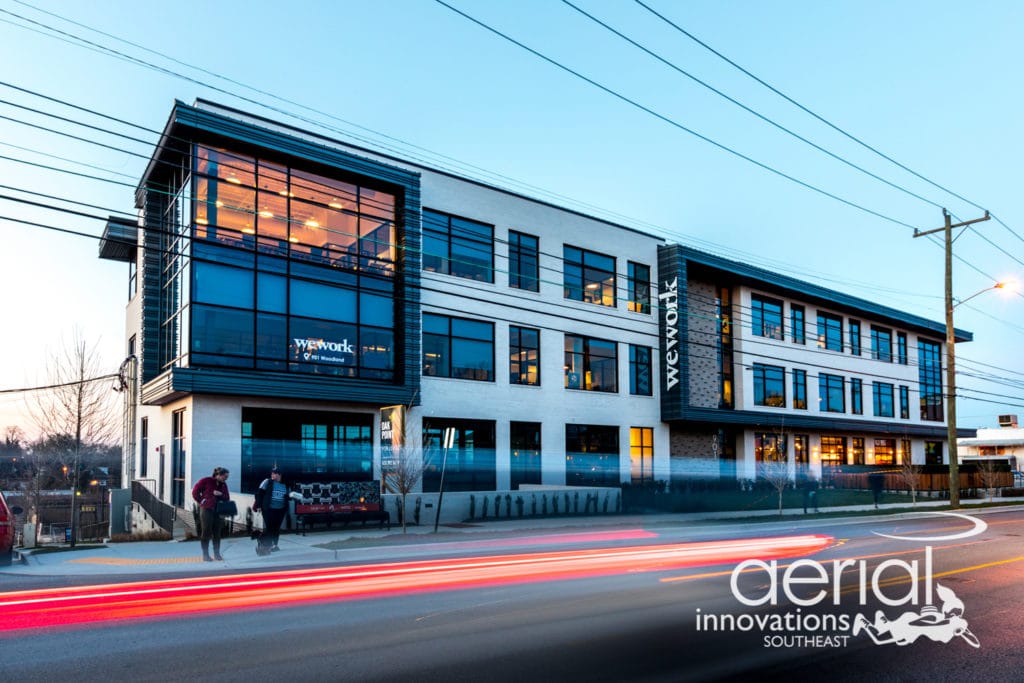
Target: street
pixel 560 616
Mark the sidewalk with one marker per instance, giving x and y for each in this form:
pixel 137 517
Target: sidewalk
pixel 162 557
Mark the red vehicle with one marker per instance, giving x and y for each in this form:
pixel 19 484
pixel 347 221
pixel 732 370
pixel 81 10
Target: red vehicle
pixel 6 531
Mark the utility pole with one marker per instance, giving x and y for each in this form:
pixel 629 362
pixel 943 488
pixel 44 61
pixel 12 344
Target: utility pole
pixel 954 465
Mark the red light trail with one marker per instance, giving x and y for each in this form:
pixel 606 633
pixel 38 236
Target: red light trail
pixel 151 599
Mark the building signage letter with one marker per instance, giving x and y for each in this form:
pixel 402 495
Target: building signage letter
pixel 670 303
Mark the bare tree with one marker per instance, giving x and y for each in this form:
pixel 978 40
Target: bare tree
pixel 403 468
pixel 989 473
pixel 910 475
pixel 79 405
pixel 776 473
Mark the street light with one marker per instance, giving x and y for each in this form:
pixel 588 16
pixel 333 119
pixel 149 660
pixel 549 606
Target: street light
pixel 954 464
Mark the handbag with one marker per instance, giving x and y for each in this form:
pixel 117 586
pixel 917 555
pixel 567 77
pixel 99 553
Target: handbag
pixel 227 508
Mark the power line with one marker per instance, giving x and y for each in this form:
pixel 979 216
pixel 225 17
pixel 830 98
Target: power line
pixel 25 390
pixel 670 121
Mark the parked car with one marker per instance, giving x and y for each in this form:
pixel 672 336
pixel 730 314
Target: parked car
pixel 7 531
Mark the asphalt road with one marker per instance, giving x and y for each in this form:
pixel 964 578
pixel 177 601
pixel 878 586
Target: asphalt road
pixel 611 626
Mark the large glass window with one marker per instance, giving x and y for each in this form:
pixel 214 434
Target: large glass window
pixel 639 370
pixel 830 393
pixel 901 348
pixel 800 389
pixel 801 450
pixel 315 256
pixel 524 455
pixel 933 452
pixel 523 355
pixel 769 386
pixel 904 402
pixel 591 455
pixel 458 246
pixel 856 396
pixel 770 447
pixel 885 451
pixel 470 463
pixel 523 261
pixel 639 288
pixel 797 324
pixel 833 451
pixel 641 454
pixel 306 445
pixel 766 317
pixel 929 369
pixel 830 331
pixel 590 364
pixel 458 348
pixel 589 276
pixel 881 344
pixel 883 395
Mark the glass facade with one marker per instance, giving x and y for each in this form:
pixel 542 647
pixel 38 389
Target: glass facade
pixel 929 372
pixel 468 465
pixel 524 455
pixel 270 267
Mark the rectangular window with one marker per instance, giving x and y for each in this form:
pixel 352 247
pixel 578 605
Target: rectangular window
pixel 458 348
pixel 882 393
pixel 830 332
pixel 589 276
pixel 929 369
pixel 523 355
pixel 178 458
pixel 933 452
pixel 769 447
pixel 470 464
pixel 769 386
pixel 523 261
pixel 904 454
pixel 881 344
pixel 801 449
pixel 639 370
pixel 641 454
pixel 458 246
pixel 830 393
pixel 901 348
pixel 857 450
pixel 144 448
pixel 591 455
pixel 766 317
pixel 856 396
pixel 833 451
pixel 904 402
pixel 524 455
pixel 590 364
pixel 800 389
pixel 639 288
pixel 854 337
pixel 885 451
pixel 797 324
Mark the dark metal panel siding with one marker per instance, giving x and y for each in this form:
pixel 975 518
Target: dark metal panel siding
pixel 154 205
pixel 290 145
pixel 409 294
pixel 181 381
pixel 672 267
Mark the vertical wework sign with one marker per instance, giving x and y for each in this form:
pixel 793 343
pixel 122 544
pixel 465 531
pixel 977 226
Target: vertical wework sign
pixel 671 293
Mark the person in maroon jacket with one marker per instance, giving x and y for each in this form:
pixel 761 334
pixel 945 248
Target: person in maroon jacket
pixel 207 492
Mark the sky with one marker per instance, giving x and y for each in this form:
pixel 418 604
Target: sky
pixel 934 86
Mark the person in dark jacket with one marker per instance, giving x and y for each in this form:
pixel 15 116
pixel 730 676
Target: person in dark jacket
pixel 207 492
pixel 272 503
